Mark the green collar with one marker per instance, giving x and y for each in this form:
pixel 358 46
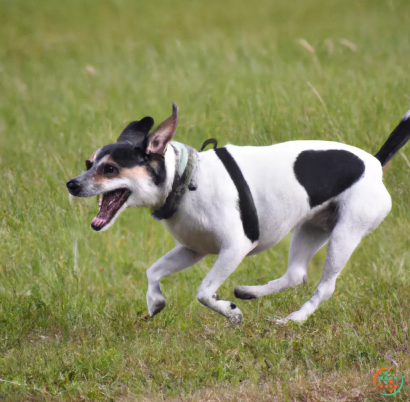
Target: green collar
pixel 186 160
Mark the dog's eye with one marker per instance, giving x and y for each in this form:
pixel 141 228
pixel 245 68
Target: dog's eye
pixel 109 169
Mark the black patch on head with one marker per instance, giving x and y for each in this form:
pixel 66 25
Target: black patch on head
pixel 123 154
pixel 247 207
pixel 136 133
pixel 129 150
pixel 326 174
pixel 156 168
pixel 127 156
pixel 233 306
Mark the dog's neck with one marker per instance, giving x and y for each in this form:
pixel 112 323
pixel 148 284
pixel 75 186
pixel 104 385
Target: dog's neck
pixel 185 163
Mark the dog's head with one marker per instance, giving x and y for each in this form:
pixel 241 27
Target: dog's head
pixel 130 172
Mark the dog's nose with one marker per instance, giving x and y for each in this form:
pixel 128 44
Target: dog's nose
pixel 73 186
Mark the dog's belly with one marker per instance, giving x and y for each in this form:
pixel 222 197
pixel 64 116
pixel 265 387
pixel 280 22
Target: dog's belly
pixel 207 227
pixel 193 236
pixel 265 243
pixel 260 248
pixel 206 237
pixel 272 231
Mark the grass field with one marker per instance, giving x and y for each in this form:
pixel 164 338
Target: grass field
pixel 73 318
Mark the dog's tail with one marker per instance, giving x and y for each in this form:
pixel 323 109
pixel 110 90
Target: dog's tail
pixel 396 140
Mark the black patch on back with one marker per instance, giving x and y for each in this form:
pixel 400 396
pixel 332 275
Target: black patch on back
pixel 326 174
pixel 247 207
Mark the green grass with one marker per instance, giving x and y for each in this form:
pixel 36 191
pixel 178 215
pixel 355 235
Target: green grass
pixel 72 302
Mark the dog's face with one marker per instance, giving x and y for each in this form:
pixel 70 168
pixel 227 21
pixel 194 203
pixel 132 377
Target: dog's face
pixel 130 172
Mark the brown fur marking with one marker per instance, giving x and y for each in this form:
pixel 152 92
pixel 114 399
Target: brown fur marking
pixel 136 172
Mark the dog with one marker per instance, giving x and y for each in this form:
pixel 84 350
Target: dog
pixel 239 201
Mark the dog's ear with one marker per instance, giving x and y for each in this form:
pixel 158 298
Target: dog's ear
pixel 163 134
pixel 136 132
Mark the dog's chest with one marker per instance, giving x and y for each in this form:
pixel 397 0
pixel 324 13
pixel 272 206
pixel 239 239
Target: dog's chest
pixel 194 233
pixel 207 217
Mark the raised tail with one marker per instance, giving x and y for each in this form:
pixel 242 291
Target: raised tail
pixel 396 140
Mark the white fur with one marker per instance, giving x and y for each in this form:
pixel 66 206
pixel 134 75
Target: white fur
pixel 144 191
pixel 208 222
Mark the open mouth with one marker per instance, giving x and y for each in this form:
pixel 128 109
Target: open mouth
pixel 109 204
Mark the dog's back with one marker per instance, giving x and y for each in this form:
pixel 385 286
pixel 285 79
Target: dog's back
pixel 291 182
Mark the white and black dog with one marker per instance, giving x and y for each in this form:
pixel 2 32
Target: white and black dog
pixel 239 201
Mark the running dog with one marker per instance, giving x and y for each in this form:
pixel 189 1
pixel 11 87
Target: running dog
pixel 239 201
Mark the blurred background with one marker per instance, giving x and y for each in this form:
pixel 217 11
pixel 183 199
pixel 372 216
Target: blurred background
pixel 72 302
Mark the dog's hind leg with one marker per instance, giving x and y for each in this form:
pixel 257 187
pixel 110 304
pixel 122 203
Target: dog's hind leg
pixel 362 212
pixel 307 240
pixel 178 259
pixel 344 240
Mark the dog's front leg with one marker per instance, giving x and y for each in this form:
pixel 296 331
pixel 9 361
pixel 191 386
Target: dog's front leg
pixel 176 260
pixel 226 263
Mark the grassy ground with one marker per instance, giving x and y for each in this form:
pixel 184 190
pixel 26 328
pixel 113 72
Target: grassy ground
pixel 72 302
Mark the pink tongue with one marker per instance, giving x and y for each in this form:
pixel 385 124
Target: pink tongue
pixel 111 203
pixel 98 221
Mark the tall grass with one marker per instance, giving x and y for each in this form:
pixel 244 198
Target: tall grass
pixel 72 302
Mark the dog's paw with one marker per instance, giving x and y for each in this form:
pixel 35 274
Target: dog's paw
pixel 244 293
pixel 280 321
pixel 155 305
pixel 234 315
pixel 298 317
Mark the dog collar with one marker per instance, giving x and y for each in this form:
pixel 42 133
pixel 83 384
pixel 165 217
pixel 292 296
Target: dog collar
pixel 182 156
pixel 186 163
pixel 186 159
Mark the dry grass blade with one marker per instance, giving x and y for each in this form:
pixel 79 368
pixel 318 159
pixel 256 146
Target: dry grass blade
pixel 352 46
pixel 305 44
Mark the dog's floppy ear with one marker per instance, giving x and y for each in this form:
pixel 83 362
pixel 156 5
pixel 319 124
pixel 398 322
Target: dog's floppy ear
pixel 159 139
pixel 136 132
